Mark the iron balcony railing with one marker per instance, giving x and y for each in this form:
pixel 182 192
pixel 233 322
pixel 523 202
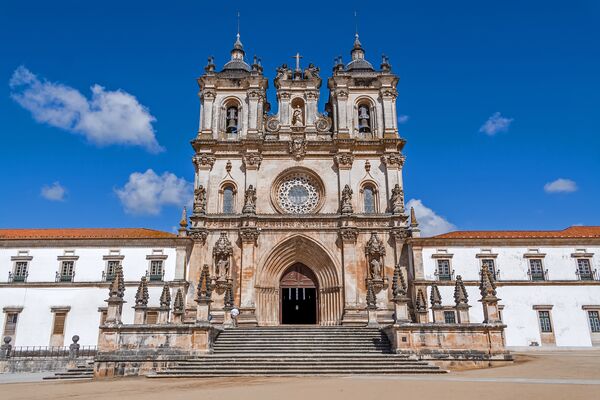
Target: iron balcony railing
pixel 12 277
pixel 155 277
pixel 444 276
pixel 586 275
pixel 64 277
pixel 538 275
pixel 107 277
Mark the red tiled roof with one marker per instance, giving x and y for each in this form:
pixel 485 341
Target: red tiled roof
pixel 84 233
pixel 579 232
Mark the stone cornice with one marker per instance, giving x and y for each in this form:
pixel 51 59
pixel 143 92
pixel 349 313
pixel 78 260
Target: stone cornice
pixel 503 242
pixel 122 243
pixel 86 284
pixel 500 283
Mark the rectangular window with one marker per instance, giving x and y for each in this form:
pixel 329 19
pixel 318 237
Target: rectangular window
pixel 10 326
pixel 59 323
pixel 584 269
pixel 489 264
pixel 151 317
pixel 111 269
pixel 545 323
pixel 594 317
pixel 449 317
pixel 156 270
pixel 67 269
pixel 443 271
pixel 536 269
pixel 20 273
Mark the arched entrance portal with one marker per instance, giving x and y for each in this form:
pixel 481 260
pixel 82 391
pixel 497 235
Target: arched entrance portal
pixel 298 295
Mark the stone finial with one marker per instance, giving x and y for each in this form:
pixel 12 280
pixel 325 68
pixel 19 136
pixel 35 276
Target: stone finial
pixel 435 298
pixel 178 305
pixel 117 286
pixel 204 289
pixel 228 298
pixel 487 287
pixel 165 297
pixel 142 296
pixel 6 348
pixel 460 292
pixel 74 347
pixel 420 303
pixel 413 218
pixel 371 299
pixel 398 283
pixel 183 222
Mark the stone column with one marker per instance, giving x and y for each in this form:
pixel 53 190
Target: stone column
pixel 246 299
pixel 393 162
pixel 387 96
pixel 207 106
pixel 371 306
pixel 254 96
pixel 348 236
pixel 342 108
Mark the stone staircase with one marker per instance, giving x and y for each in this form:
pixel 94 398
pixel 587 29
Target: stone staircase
pixel 80 372
pixel 298 350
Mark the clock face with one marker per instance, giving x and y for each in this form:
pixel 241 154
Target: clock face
pixel 298 194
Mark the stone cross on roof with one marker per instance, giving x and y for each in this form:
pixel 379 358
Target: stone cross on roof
pixel 297 57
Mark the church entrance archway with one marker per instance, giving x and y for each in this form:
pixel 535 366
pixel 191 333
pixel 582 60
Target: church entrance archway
pixel 298 295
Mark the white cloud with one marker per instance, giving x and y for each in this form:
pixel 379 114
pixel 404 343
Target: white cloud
pixel 54 192
pixel 430 223
pixel 147 193
pixel 402 119
pixel 108 117
pixel 561 185
pixel 496 123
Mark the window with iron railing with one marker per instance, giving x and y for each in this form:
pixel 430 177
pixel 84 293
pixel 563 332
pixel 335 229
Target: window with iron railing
pixel 536 270
pixel 156 272
pixel 20 273
pixel 67 271
pixel 584 270
pixel 111 270
pixel 443 272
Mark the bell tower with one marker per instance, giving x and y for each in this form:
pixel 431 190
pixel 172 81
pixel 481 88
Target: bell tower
pixel 233 100
pixel 361 99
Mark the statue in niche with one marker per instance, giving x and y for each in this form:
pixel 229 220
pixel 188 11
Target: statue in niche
pixel 200 200
pixel 397 200
pixel 222 268
pixel 249 200
pixel 347 200
pixel 297 119
pixel 375 269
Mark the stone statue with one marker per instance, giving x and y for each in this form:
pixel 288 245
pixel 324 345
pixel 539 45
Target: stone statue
pixel 311 71
pixel 249 200
pixel 200 200
pixel 347 200
pixel 297 119
pixel 397 200
pixel 375 269
pixel 222 268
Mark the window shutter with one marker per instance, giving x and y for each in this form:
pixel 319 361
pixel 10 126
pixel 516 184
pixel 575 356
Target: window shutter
pixel 59 323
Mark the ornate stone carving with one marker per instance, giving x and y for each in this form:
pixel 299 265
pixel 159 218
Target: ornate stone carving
pixel 272 124
pixel 367 166
pixel 249 201
pixel 348 234
pixel 371 299
pixel 298 193
pixel 297 117
pixel 375 252
pixel 228 166
pixel 389 93
pixel 344 160
pixel 255 94
pixel 399 235
pixel 420 303
pixel 487 286
pixel 346 200
pixel 208 94
pixel 142 296
pixel 323 123
pixel 393 160
pixel 252 160
pixel 178 304
pixel 204 161
pixel 341 94
pixel 222 253
pixel 460 292
pixel 199 235
pixel 204 290
pixel 397 200
pixel 436 298
pixel 165 297
pixel 298 148
pixel 399 288
pixel 249 234
pixel 200 200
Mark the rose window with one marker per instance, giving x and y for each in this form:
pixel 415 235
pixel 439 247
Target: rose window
pixel 298 193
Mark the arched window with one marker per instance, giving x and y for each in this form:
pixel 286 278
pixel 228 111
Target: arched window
pixel 232 118
pixel 228 199
pixel 369 199
pixel 364 118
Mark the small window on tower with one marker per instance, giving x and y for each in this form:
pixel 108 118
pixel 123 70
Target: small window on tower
pixel 232 119
pixel 364 118
pixel 369 199
pixel 228 200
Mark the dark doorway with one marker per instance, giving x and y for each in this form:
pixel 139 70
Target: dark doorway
pixel 298 296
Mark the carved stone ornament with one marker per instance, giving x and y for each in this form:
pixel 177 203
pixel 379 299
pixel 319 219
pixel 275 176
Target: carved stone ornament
pixel 252 160
pixel 298 148
pixel 399 287
pixel 348 234
pixel 222 252
pixel 204 161
pixel 323 123
pixel 346 200
pixel 399 235
pixel 397 200
pixel 393 160
pixel 199 235
pixel 341 94
pixel 344 160
pixel 200 200
pixel 375 247
pixel 272 124
pixel 249 235
pixel 389 93
pixel 249 200
pixel 375 252
pixel 255 94
pixel 208 94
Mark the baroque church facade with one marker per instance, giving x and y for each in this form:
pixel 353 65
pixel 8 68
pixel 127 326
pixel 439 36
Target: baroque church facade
pixel 299 218
pixel 300 200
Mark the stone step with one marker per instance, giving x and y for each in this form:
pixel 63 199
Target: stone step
pixel 300 350
pixel 73 373
pixel 287 365
pixel 295 372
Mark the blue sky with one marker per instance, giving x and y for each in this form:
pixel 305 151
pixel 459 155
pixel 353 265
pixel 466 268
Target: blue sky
pixel 532 67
